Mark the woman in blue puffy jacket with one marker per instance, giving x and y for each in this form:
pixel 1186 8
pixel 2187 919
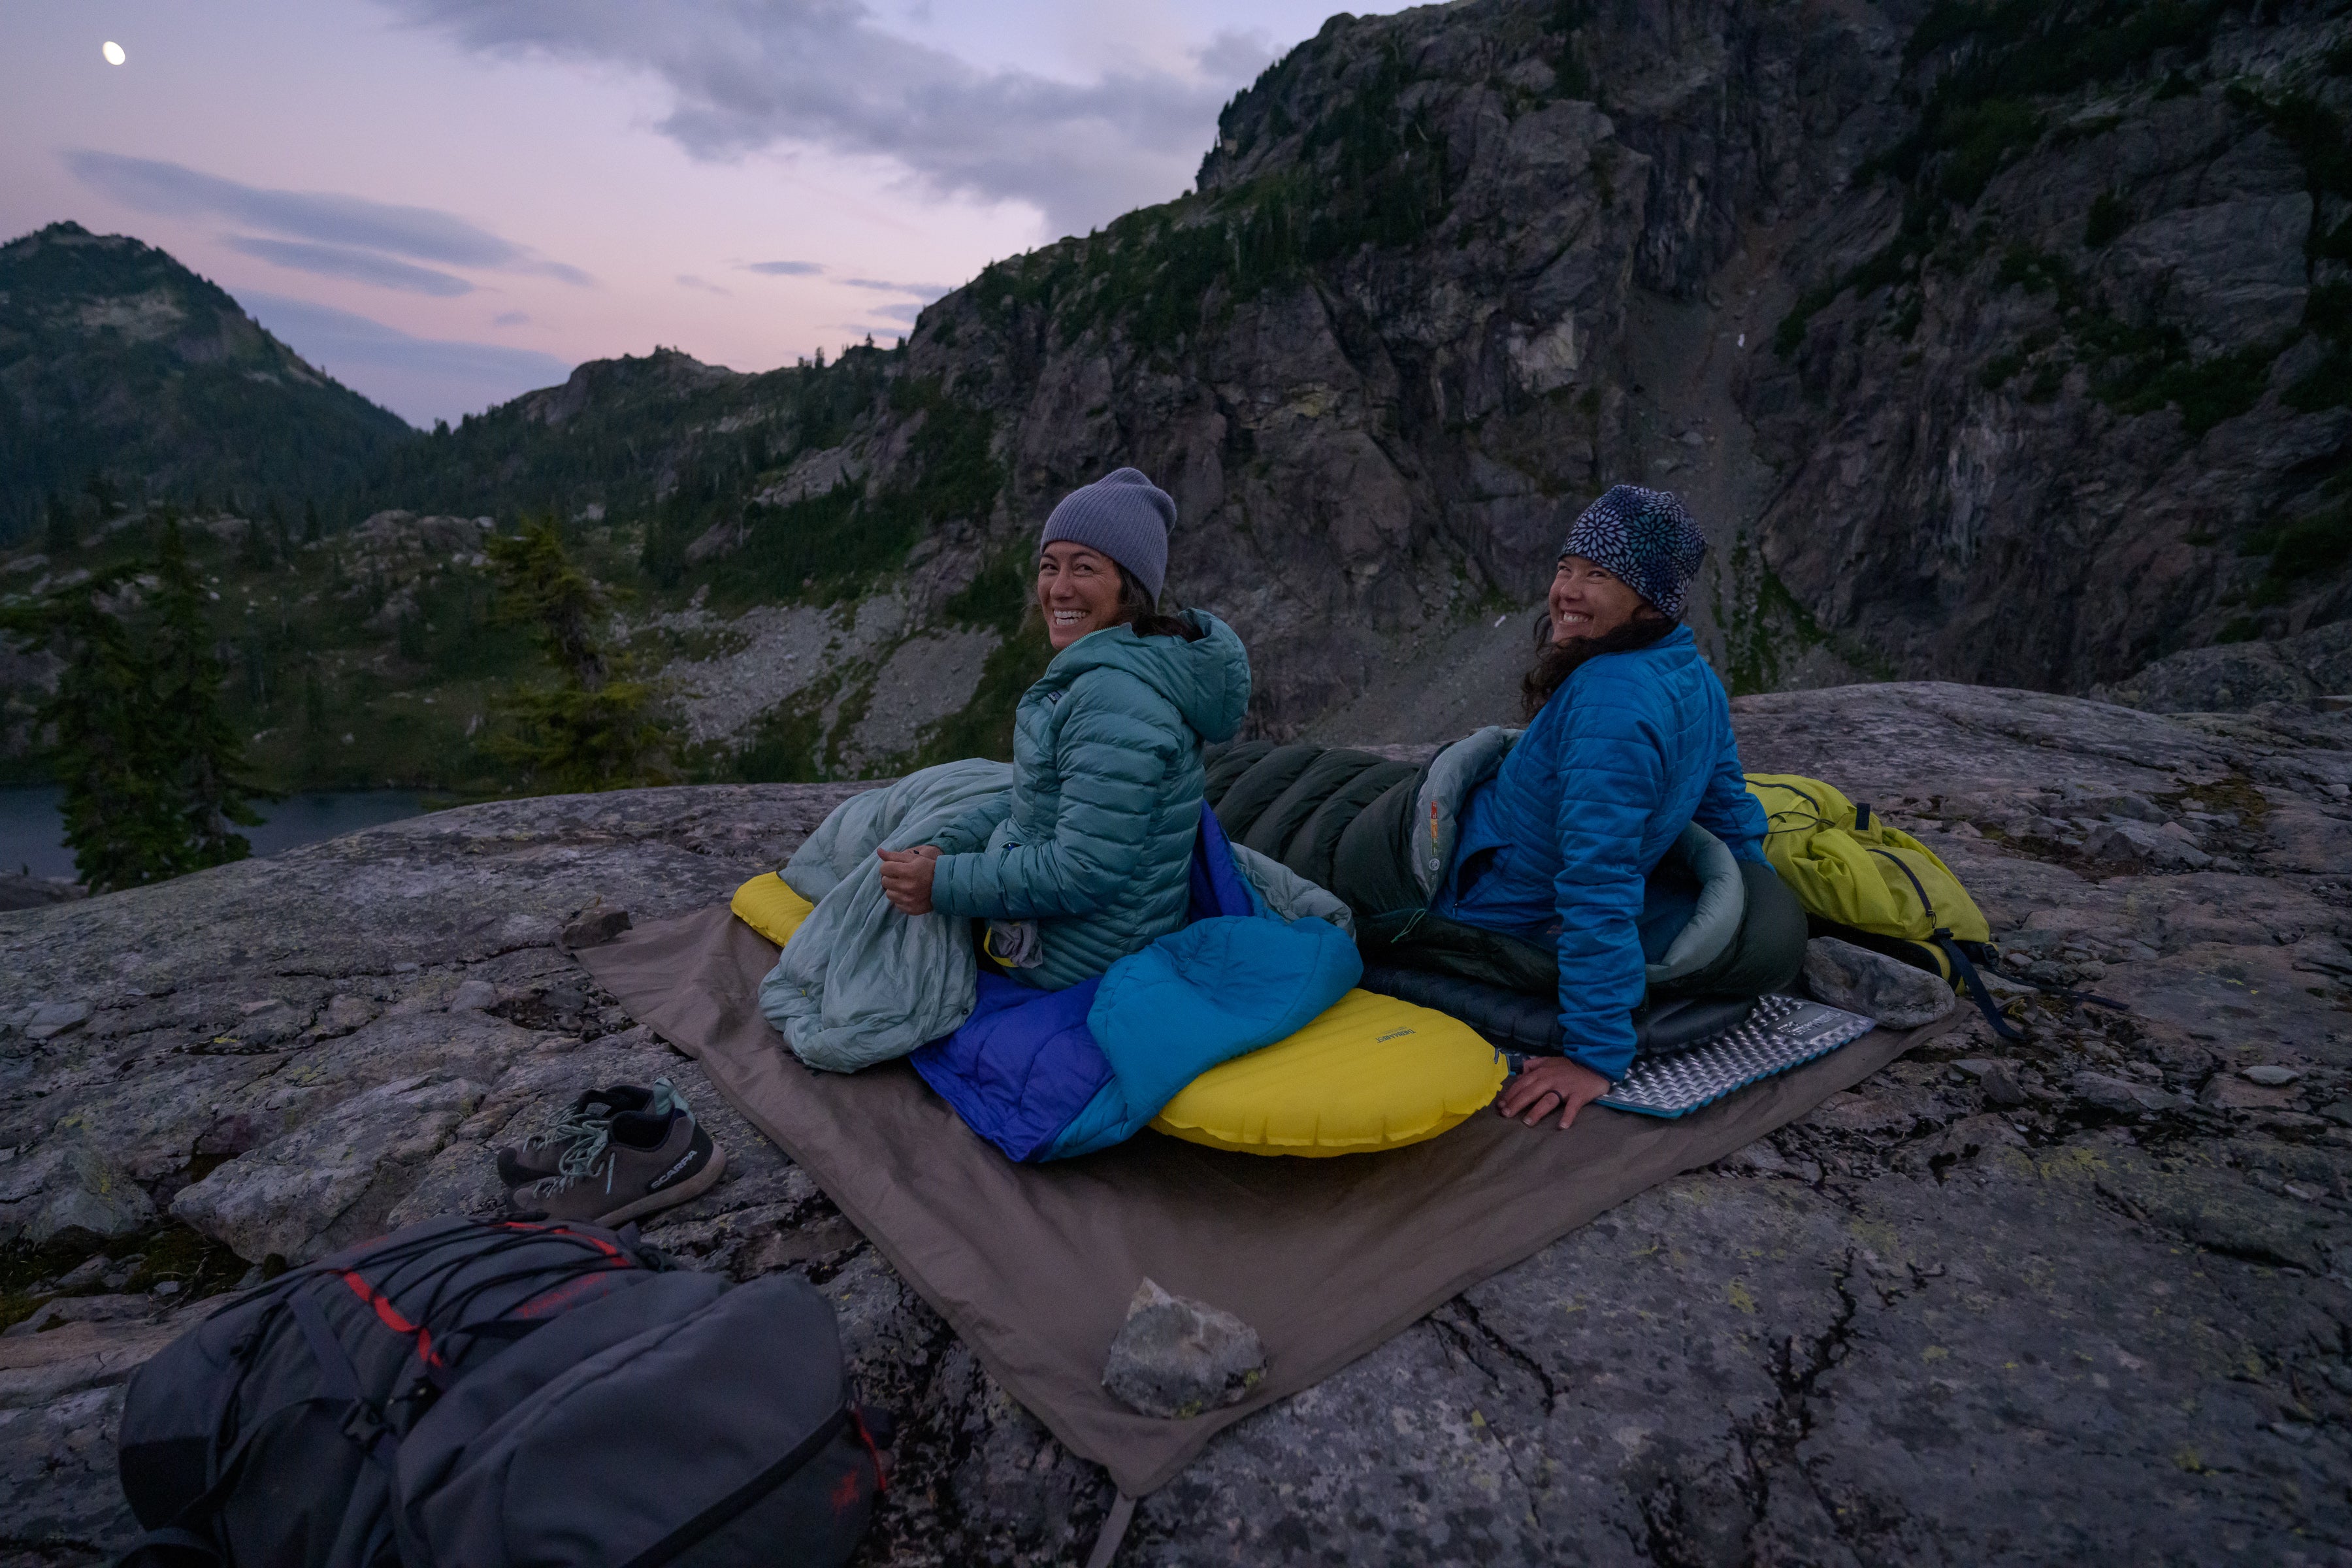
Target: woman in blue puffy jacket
pixel 1629 740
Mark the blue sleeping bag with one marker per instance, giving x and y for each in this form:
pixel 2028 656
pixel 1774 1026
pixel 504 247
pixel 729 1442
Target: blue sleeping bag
pixel 1045 1075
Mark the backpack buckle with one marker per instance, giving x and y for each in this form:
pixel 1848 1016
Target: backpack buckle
pixel 366 1425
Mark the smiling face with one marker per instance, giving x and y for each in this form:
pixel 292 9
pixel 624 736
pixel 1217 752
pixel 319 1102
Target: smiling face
pixel 1587 600
pixel 1077 588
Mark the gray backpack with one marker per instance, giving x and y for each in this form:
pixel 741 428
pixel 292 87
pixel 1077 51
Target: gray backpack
pixel 467 1393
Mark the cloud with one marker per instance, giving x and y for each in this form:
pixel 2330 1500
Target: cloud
pixel 341 261
pixel 929 291
pixel 317 217
pixel 751 74
pixel 420 379
pixel 784 268
pixel 903 314
pixel 688 279
pixel 511 319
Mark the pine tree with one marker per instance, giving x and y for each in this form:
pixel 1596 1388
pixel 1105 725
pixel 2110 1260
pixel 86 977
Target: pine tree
pixel 151 772
pixel 596 728
pixel 118 816
pixel 310 522
pixel 202 756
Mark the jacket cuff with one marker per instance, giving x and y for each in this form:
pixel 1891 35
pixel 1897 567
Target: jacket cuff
pixel 1610 1061
pixel 951 892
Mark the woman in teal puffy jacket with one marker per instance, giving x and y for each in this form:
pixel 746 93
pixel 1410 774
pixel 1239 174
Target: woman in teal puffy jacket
pixel 1096 849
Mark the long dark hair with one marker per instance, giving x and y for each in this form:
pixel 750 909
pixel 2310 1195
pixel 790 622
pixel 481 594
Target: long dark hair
pixel 1556 661
pixel 1138 609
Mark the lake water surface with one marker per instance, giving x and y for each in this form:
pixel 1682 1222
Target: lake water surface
pixel 32 834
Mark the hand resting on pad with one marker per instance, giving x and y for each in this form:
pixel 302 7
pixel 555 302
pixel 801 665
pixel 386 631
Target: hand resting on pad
pixel 1547 1083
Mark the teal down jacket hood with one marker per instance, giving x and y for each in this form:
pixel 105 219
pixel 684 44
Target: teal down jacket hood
pixel 1106 797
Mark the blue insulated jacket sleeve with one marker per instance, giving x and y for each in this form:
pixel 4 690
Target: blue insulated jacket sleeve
pixel 1611 775
pixel 1112 759
pixel 1727 809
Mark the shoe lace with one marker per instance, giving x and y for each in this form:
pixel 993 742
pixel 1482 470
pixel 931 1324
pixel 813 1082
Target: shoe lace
pixel 591 1138
pixel 576 1123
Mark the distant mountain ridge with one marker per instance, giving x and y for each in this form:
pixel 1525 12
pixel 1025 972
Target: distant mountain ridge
pixel 115 359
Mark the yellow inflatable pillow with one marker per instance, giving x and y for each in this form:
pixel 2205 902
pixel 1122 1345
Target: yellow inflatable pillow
pixel 769 905
pixel 1371 1073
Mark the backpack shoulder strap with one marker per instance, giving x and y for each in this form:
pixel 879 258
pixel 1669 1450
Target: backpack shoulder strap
pixel 1978 992
pixel 366 1425
pixel 679 1541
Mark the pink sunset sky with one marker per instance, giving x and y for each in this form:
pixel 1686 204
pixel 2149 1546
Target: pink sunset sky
pixel 449 202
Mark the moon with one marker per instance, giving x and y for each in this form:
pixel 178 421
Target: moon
pixel 112 51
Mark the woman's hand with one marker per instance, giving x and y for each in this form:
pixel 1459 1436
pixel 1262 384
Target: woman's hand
pixel 1549 1083
pixel 907 878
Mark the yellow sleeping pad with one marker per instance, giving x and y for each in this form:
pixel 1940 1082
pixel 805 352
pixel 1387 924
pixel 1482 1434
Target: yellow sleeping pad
pixel 1371 1073
pixel 769 905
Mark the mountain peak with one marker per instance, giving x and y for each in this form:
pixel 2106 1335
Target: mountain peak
pixel 116 359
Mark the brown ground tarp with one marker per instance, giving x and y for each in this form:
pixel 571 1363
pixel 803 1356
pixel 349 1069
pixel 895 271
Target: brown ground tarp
pixel 1034 1265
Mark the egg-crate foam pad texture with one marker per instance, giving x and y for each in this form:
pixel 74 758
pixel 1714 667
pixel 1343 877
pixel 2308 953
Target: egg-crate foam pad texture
pixel 1783 1032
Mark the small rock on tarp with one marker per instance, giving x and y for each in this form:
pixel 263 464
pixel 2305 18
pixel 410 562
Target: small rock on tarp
pixel 594 927
pixel 1873 984
pixel 1176 1357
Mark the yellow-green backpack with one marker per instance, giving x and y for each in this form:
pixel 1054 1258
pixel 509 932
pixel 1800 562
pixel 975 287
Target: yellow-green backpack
pixel 1874 885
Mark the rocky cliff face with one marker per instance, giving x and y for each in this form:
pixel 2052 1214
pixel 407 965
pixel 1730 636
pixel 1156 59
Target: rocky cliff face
pixel 2068 388
pixel 2004 344
pixel 117 360
pixel 1448 275
pixel 2082 1298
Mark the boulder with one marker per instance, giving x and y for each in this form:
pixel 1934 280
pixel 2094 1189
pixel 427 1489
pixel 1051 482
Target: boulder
pixel 2126 1096
pixel 51 1019
pixel 70 1185
pixel 20 891
pixel 2135 843
pixel 1175 1357
pixel 2233 677
pixel 345 1012
pixel 473 996
pixel 333 1181
pixel 1873 984
pixel 1998 1080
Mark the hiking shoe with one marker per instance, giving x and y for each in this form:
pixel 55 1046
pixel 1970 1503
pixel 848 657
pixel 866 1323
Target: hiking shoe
pixel 630 1166
pixel 540 1155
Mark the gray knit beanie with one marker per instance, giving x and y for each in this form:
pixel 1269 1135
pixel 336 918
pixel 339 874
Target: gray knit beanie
pixel 1646 538
pixel 1125 516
